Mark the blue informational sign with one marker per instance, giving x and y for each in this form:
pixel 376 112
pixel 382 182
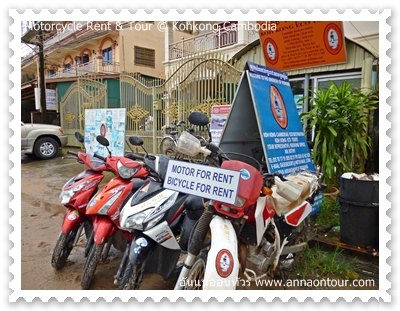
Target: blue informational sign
pixel 284 142
pixel 264 123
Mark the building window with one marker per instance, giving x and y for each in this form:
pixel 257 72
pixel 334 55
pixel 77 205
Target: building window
pixel 145 57
pixel 51 72
pixel 107 56
pixel 78 60
pixel 68 67
pixel 85 58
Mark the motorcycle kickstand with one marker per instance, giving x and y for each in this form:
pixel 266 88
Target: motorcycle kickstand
pixel 104 255
pixel 78 234
pixel 283 279
pixel 122 265
pixel 89 243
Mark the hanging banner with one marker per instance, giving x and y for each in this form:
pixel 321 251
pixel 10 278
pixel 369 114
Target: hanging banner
pixel 109 123
pixel 219 114
pixel 302 44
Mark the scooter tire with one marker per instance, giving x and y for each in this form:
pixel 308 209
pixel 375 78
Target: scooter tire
pixel 196 274
pixel 132 278
pixel 91 265
pixel 63 248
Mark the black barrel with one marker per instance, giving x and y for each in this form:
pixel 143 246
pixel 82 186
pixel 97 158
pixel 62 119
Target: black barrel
pixel 359 212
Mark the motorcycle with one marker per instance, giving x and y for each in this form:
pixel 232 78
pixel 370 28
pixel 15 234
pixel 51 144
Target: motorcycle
pixel 161 221
pixel 260 235
pixel 104 208
pixel 75 196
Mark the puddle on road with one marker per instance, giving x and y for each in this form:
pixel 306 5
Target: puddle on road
pixel 53 208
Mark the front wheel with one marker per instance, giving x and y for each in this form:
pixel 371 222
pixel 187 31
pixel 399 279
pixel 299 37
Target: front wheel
pixel 91 265
pixel 133 277
pixel 196 274
pixel 63 248
pixel 168 147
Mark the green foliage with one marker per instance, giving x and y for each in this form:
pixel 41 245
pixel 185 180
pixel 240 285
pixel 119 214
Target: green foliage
pixel 328 216
pixel 340 116
pixel 318 263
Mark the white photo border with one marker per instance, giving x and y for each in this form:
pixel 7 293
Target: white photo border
pixel 157 15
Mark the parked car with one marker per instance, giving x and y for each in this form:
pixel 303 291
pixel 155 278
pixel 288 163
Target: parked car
pixel 42 140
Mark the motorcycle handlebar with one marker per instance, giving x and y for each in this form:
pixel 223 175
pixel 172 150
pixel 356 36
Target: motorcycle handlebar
pixel 100 157
pixel 72 152
pixel 134 156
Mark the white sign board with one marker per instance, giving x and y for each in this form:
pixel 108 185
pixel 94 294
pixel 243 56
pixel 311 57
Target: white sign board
pixel 51 99
pixel 203 181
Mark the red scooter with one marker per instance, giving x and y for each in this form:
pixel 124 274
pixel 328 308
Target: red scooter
pixel 75 195
pixel 104 208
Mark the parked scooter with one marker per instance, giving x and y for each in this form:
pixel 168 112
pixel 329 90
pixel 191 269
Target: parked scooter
pixel 259 235
pixel 104 208
pixel 161 221
pixel 75 195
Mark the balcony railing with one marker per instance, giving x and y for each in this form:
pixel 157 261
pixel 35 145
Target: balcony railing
pixel 210 41
pixel 94 66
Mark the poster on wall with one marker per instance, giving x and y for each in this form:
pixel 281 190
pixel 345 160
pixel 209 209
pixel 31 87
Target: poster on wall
pixel 109 123
pixel 219 114
pixel 301 44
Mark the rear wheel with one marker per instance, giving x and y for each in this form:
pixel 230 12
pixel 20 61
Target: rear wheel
pixel 63 248
pixel 91 265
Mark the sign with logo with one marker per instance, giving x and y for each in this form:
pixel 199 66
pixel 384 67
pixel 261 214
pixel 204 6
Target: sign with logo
pixel 291 45
pixel 219 114
pixel 204 181
pixel 264 116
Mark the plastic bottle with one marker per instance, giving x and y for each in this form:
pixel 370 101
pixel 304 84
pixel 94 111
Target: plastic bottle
pixel 289 190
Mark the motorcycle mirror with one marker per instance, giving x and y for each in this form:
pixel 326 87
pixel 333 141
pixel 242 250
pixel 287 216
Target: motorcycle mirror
pixel 198 118
pixel 102 141
pixel 79 137
pixel 136 141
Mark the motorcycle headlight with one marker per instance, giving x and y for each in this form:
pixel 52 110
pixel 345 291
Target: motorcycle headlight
pixel 136 221
pixel 153 222
pixel 150 217
pixel 67 194
pixel 158 213
pixel 239 202
pixel 104 209
pixel 126 172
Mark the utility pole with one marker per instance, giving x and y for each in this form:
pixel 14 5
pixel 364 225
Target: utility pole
pixel 42 84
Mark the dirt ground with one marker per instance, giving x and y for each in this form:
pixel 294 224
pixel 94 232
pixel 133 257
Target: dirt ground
pixel 42 214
